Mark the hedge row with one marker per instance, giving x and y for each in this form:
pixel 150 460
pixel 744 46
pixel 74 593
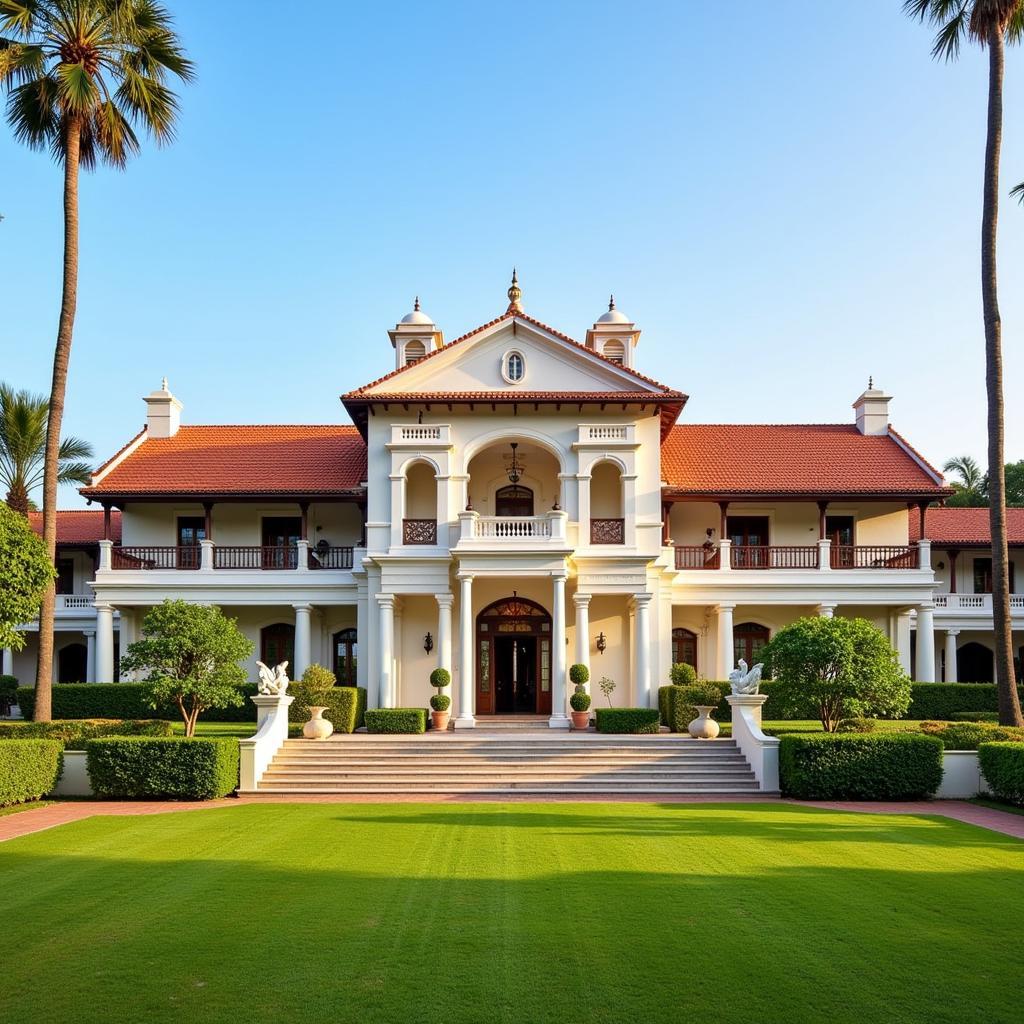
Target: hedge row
pixel 970 735
pixel 396 720
pixel 1002 764
pixel 74 732
pixel 676 704
pixel 944 700
pixel 29 769
pixel 93 700
pixel 133 768
pixel 346 708
pixel 628 720
pixel 887 766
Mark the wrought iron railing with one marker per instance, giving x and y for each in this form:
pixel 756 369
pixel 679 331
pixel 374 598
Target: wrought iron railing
pixel 875 556
pixel 697 556
pixel 272 556
pixel 607 531
pixel 330 558
pixel 149 557
pixel 765 556
pixel 419 531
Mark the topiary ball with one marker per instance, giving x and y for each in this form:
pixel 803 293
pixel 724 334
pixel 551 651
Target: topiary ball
pixel 580 701
pixel 440 678
pixel 440 702
pixel 579 675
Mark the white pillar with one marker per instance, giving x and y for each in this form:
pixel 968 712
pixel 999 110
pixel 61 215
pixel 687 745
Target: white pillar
pixel 826 611
pixel 559 719
pixel 825 555
pixel 303 639
pixel 444 630
pixel 206 556
pixel 643 650
pixel 467 683
pixel 106 547
pixel 104 643
pixel 951 635
pixel 90 655
pixel 387 649
pixel 7 667
pixel 925 644
pixel 725 646
pixel 582 602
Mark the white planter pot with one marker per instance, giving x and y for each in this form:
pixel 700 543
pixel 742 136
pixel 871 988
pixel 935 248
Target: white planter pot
pixel 704 727
pixel 317 728
pixel 961 775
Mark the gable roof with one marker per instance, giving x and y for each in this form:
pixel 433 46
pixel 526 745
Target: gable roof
pixel 830 459
pixel 79 526
pixel 966 526
pixel 210 461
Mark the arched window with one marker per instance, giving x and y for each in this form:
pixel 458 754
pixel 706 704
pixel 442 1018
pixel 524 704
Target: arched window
pixel 747 640
pixel 607 524
pixel 684 647
pixel 277 644
pixel 419 525
pixel 72 662
pixel 974 663
pixel 615 351
pixel 414 352
pixel 513 367
pixel 514 500
pixel 346 650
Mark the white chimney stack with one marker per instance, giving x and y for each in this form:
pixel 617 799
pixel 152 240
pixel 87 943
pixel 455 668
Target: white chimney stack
pixel 872 409
pixel 163 412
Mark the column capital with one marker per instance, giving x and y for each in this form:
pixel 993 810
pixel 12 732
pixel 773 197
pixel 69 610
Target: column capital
pixel 92 632
pixel 725 606
pixel 926 606
pixel 642 599
pixel 444 600
pixel 302 607
pixel 581 600
pixel 559 576
pixel 462 576
pixel 386 600
pixel 952 632
pixel 103 606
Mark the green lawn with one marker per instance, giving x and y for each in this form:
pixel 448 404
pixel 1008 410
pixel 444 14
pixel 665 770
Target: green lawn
pixel 613 913
pixel 218 728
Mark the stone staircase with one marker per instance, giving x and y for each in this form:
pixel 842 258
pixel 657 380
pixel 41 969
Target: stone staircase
pixel 507 762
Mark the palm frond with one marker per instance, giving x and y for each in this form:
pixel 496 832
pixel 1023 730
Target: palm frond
pixel 74 473
pixel 74 448
pixel 32 112
pixel 1018 191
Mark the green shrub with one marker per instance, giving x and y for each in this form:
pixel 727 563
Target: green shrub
pixel 628 720
pixel 678 704
pixel 135 768
pixel 968 735
pixel 395 720
pixel 579 700
pixel 942 701
pixel 682 674
pixel 861 725
pixel 440 678
pixel 29 769
pixel 8 693
pixel 74 732
pixel 440 702
pixel 346 706
pixel 579 675
pixel 1002 764
pixel 94 700
pixel 886 766
pixel 315 684
pixel 975 716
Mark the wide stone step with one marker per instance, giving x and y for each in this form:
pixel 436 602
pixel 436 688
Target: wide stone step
pixel 522 788
pixel 490 764
pixel 539 772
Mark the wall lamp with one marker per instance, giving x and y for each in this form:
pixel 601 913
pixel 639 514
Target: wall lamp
pixel 602 643
pixel 428 643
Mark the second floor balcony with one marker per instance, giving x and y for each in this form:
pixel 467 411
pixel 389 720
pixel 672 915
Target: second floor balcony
pixel 823 555
pixel 207 556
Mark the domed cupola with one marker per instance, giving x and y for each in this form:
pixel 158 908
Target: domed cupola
pixel 414 337
pixel 614 336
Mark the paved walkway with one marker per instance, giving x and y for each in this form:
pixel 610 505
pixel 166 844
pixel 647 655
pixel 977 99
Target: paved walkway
pixel 36 820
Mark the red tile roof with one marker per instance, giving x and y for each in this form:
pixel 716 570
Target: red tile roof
pixel 792 459
pixel 241 460
pixel 967 526
pixel 79 526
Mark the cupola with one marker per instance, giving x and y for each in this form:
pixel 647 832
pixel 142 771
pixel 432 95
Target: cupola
pixel 414 337
pixel 163 412
pixel 614 336
pixel 872 410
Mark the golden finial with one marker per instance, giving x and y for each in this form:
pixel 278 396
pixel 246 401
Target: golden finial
pixel 515 293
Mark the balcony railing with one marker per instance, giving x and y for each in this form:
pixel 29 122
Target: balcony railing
pixel 874 556
pixel 764 556
pixel 512 527
pixel 419 531
pixel 974 602
pixel 149 557
pixel 330 558
pixel 607 531
pixel 697 556
pixel 73 602
pixel 273 556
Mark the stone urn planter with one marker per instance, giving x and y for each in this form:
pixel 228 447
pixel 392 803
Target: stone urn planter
pixel 580 719
pixel 439 720
pixel 704 727
pixel 317 728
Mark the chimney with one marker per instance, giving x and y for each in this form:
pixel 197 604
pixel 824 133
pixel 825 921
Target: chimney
pixel 163 412
pixel 872 409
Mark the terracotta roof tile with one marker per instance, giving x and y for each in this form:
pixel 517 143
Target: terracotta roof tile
pixel 79 526
pixel 723 459
pixel 243 460
pixel 968 526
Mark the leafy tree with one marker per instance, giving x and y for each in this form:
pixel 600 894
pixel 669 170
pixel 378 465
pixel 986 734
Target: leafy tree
pixel 970 488
pixel 992 24
pixel 81 76
pixel 834 669
pixel 1014 476
pixel 191 653
pixel 25 571
pixel 23 447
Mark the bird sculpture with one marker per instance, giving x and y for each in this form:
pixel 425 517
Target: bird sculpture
pixel 744 682
pixel 273 681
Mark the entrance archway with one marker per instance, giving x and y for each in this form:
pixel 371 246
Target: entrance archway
pixel 72 662
pixel 513 652
pixel 975 663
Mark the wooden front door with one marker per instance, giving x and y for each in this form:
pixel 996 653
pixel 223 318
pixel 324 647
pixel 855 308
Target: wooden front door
pixel 277 644
pixel 513 668
pixel 515 500
pixel 280 534
pixel 839 530
pixel 749 536
pixel 747 640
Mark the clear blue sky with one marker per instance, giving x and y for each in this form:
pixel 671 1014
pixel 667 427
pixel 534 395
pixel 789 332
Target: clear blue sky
pixel 784 196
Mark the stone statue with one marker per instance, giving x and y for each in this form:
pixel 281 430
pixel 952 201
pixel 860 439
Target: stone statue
pixel 743 682
pixel 273 681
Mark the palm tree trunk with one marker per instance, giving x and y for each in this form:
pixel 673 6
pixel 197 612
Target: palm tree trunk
pixel 61 358
pixel 1009 703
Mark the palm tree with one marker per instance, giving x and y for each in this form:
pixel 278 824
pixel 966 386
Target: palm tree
pixel 80 77
pixel 23 449
pixel 970 489
pixel 991 24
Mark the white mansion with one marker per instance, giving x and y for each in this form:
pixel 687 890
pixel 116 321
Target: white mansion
pixel 511 502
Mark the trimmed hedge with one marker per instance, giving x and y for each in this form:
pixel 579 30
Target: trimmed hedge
pixel 628 720
pixel 1002 764
pixel 8 693
pixel 346 708
pixel 74 732
pixel 93 700
pixel 395 720
pixel 29 769
pixel 848 766
pixel 944 700
pixel 136 767
pixel 676 704
pixel 969 735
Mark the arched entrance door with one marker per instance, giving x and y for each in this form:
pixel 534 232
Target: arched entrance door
pixel 513 667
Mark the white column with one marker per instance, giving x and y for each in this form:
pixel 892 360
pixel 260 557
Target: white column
pixel 582 602
pixel 559 719
pixel 902 643
pixel 643 650
pixel 105 554
pixel 925 644
pixel 725 648
pixel 206 556
pixel 90 655
pixel 444 630
pixel 725 557
pixel 396 663
pixel 951 635
pixel 467 662
pixel 303 638
pixel 386 602
pixel 7 667
pixel 826 611
pixel 825 555
pixel 104 643
pixel 302 555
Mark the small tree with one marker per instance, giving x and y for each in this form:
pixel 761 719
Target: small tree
pixel 439 679
pixel 607 688
pixel 191 654
pixel 25 572
pixel 316 683
pixel 834 669
pixel 681 674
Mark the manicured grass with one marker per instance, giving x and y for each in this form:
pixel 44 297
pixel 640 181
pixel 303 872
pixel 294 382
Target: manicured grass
pixel 996 805
pixel 512 913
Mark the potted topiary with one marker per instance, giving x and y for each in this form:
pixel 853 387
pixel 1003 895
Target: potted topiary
pixel 314 686
pixel 579 676
pixel 440 703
